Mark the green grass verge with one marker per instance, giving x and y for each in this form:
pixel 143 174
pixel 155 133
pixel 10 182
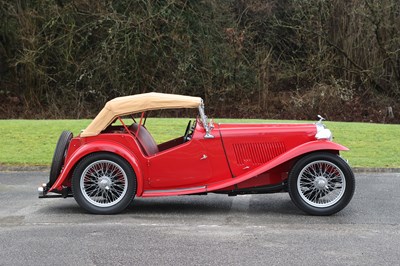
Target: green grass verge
pixel 32 142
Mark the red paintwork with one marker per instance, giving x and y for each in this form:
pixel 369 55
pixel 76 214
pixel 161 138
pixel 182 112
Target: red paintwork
pixel 239 156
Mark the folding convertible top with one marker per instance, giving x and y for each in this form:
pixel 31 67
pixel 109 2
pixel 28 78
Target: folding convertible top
pixel 136 104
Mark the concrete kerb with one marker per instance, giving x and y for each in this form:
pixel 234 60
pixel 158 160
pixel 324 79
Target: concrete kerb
pixel 24 168
pixel 375 170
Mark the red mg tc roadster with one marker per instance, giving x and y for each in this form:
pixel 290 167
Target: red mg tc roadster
pixel 116 159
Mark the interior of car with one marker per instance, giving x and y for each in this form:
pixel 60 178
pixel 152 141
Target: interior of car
pixel 146 141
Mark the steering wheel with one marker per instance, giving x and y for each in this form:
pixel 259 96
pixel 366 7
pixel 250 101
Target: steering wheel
pixel 187 132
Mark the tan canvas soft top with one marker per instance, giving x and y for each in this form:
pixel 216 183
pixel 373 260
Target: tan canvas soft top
pixel 135 104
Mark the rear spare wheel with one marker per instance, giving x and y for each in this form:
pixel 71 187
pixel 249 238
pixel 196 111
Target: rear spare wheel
pixel 59 156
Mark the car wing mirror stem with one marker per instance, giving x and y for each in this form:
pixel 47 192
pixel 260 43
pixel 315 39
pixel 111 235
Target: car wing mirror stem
pixel 211 124
pixel 208 127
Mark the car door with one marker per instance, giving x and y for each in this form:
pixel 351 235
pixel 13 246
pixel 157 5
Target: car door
pixel 184 166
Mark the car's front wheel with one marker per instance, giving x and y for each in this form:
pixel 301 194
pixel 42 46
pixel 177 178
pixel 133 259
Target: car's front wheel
pixel 321 183
pixel 103 183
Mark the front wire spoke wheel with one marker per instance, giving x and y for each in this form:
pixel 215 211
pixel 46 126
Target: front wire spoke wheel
pixel 321 183
pixel 325 180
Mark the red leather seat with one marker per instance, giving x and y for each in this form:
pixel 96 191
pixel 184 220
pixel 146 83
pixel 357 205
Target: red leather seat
pixel 148 144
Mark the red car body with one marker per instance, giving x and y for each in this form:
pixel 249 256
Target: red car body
pixel 220 158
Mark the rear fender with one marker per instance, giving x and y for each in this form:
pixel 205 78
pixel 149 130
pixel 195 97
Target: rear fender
pixel 99 146
pixel 318 145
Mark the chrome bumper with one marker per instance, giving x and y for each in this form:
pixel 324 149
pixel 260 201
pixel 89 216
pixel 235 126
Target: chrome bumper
pixel 43 191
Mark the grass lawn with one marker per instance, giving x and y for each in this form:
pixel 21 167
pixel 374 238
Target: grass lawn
pixel 32 142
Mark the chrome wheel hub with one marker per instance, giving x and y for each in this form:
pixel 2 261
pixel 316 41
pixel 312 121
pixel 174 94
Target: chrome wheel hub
pixel 105 183
pixel 320 183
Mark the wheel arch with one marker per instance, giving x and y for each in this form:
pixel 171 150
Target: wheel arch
pixel 98 147
pixel 300 156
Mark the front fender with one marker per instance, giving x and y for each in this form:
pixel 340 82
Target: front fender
pixel 100 146
pixel 318 145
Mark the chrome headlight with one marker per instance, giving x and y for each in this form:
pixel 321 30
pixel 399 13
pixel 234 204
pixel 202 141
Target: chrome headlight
pixel 323 132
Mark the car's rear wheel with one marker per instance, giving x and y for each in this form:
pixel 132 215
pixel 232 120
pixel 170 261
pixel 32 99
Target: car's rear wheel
pixel 103 183
pixel 321 183
pixel 59 156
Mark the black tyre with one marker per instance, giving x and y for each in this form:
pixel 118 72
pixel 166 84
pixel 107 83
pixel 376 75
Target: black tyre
pixel 321 183
pixel 59 156
pixel 103 183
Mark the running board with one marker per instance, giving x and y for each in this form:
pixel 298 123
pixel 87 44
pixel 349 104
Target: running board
pixel 174 192
pixel 255 190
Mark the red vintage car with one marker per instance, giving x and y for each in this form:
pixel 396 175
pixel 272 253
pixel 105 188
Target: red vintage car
pixel 116 159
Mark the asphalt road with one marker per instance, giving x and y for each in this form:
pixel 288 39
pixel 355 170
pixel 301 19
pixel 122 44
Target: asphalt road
pixel 194 230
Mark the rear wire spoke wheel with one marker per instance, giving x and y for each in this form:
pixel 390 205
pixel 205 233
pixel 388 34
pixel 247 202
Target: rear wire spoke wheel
pixel 321 183
pixel 103 183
